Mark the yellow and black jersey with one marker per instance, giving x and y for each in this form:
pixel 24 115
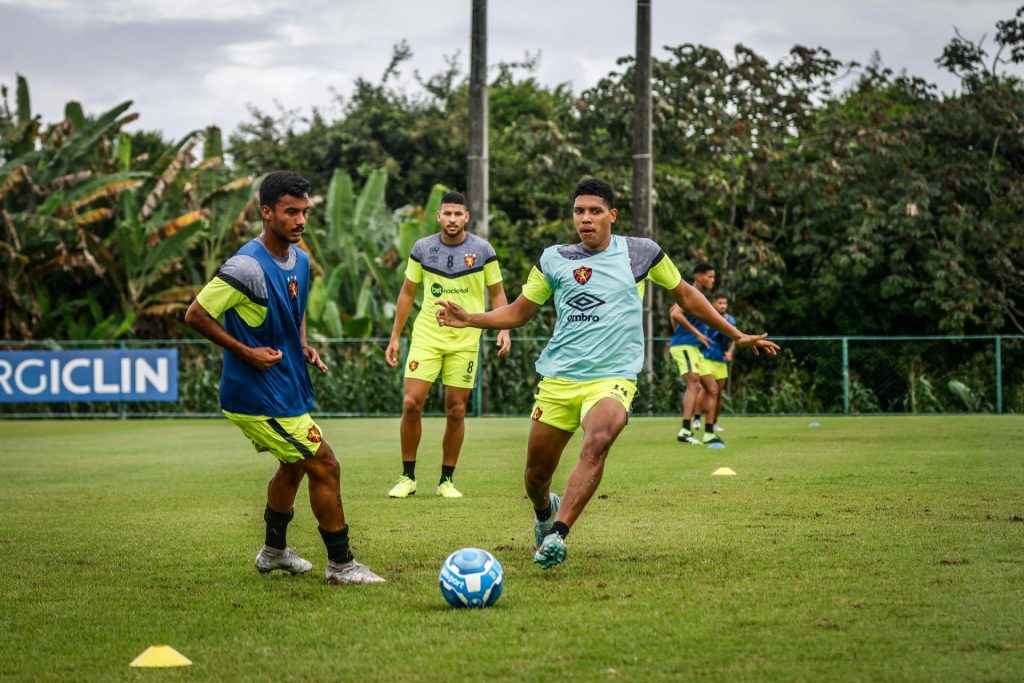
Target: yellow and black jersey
pixel 455 272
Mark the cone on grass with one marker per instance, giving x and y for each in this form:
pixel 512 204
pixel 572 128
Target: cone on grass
pixel 160 656
pixel 723 472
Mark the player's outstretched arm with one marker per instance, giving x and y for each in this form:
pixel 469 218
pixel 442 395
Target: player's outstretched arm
pixel 200 320
pixel 515 314
pixel 692 301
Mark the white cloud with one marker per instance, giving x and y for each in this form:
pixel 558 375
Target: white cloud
pixel 188 63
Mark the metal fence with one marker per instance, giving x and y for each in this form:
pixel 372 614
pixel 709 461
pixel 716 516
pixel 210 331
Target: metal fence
pixel 812 375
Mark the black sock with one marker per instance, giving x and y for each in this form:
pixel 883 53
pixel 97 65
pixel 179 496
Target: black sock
pixel 686 425
pixel 446 472
pixel 709 428
pixel 277 527
pixel 409 469
pixel 560 528
pixel 543 515
pixel 337 545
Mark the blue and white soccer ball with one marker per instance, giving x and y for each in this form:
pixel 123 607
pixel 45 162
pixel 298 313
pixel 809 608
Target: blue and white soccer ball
pixel 471 577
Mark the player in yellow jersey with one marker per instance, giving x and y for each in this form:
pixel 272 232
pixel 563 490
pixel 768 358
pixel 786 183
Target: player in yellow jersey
pixel 459 266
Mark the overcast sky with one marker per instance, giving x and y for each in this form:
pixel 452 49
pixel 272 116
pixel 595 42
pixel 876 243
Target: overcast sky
pixel 190 63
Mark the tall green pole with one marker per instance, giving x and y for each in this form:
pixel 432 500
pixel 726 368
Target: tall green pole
pixel 846 376
pixel 999 374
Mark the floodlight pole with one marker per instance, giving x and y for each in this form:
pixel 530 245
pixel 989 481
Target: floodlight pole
pixel 643 169
pixel 477 169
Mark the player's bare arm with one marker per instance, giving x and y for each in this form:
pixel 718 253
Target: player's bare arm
pixel 403 307
pixel 497 294
pixel 515 314
pixel 678 316
pixel 200 320
pixel 689 299
pixel 311 354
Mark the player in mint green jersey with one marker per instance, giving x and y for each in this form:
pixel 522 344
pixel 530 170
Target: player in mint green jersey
pixel 590 365
pixel 463 267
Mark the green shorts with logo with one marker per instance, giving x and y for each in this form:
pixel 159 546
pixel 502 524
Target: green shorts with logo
pixel 289 439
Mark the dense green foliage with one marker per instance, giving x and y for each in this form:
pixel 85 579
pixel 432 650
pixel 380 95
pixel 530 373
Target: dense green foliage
pixel 858 551
pixel 880 206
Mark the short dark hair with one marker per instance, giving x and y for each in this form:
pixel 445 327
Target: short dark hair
pixel 595 187
pixel 281 183
pixel 702 267
pixel 719 295
pixel 454 197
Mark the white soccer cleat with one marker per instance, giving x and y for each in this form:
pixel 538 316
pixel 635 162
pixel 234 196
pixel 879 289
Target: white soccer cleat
pixel 350 572
pixel 719 428
pixel 268 559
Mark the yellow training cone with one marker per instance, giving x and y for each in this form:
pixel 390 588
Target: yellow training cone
pixel 724 472
pixel 161 656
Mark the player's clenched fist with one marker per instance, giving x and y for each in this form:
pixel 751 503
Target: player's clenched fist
pixel 262 357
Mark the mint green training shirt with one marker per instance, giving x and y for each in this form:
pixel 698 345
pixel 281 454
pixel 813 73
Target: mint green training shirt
pixel 598 300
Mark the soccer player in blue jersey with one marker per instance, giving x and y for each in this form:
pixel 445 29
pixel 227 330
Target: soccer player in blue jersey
pixel 718 355
pixel 689 339
pixel 463 267
pixel 589 366
pixel 260 294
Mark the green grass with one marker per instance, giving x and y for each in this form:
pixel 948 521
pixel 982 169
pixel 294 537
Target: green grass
pixel 867 549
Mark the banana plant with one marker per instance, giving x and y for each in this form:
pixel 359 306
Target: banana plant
pixel 359 256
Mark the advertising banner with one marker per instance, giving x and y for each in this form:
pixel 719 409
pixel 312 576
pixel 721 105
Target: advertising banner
pixel 105 375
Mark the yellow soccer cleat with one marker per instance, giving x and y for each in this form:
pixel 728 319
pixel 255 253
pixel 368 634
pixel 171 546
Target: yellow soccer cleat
pixel 403 488
pixel 446 489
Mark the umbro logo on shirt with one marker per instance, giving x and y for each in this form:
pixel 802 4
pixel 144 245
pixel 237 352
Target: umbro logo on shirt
pixel 584 302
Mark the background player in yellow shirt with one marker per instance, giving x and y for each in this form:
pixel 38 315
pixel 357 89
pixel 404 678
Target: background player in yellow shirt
pixel 459 266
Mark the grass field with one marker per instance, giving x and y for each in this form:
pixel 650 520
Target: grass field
pixel 868 549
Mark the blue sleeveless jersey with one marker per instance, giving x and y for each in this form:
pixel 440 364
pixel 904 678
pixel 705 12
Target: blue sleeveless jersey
pixel 719 342
pixel 683 337
pixel 283 390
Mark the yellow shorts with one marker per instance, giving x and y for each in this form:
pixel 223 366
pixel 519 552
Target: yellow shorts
pixel 457 368
pixel 563 403
pixel 689 359
pixel 289 439
pixel 719 370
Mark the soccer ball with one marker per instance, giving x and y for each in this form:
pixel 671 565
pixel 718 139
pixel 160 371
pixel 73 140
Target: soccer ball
pixel 471 578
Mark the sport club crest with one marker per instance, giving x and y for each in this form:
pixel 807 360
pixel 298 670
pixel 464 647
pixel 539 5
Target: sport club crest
pixel 582 274
pixel 537 414
pixel 470 260
pixel 413 364
pixel 293 287
pixel 313 435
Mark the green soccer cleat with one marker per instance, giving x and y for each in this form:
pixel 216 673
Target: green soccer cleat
pixel 404 488
pixel 686 436
pixel 551 552
pixel 712 438
pixel 542 529
pixel 269 559
pixel 446 489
